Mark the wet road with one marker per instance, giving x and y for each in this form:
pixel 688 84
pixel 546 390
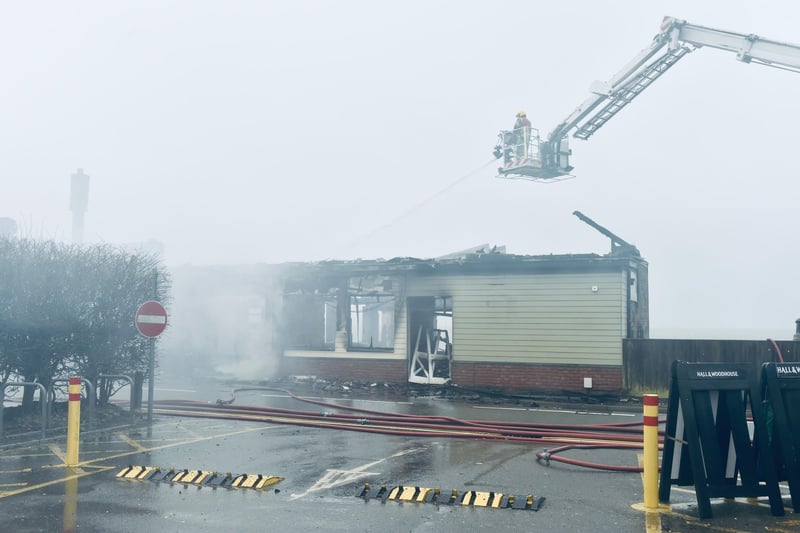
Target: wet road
pixel 324 469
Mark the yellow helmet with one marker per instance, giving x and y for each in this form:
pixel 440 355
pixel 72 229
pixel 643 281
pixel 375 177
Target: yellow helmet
pixel 521 113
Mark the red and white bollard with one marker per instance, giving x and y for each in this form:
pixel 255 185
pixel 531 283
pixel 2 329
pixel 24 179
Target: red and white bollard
pixel 73 421
pixel 650 465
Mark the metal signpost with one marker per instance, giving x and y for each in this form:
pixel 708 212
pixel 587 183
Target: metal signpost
pixel 151 320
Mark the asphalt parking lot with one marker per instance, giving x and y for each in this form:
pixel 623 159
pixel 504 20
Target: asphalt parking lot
pixel 316 474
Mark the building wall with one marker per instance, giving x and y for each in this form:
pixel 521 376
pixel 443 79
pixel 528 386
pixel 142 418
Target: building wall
pixel 515 332
pixel 347 368
pixel 519 378
pixel 537 377
pixel 565 318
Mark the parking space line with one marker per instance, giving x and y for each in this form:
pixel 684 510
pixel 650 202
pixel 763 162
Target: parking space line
pixel 25 455
pixel 334 478
pixel 85 453
pixel 58 452
pixel 76 470
pixel 211 427
pixel 6 494
pixel 174 444
pixel 130 442
pixel 89 467
pixel 190 432
pixel 144 442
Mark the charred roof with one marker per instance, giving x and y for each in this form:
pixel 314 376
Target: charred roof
pixel 481 261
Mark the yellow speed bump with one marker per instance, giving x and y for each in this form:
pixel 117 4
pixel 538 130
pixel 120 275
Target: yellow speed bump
pixel 179 476
pixel 246 481
pixel 410 494
pixel 137 472
pixel 267 481
pixel 199 477
pixel 482 499
pixel 422 495
pixel 187 477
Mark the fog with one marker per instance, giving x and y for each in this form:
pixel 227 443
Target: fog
pixel 263 132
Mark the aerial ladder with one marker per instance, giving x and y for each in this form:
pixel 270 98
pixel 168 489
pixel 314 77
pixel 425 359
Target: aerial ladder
pixel 526 155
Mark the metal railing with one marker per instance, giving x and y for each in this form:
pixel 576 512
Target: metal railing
pixel 518 146
pixel 90 398
pixel 132 405
pixel 42 400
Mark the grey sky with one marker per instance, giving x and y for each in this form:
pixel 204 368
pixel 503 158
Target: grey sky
pixel 237 132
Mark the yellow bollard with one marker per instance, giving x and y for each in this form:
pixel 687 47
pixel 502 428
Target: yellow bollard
pixel 74 421
pixel 651 451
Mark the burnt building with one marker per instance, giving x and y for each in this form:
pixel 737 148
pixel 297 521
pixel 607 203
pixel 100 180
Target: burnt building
pixel 484 318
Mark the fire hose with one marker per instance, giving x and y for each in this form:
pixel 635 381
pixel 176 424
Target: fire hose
pixel 624 435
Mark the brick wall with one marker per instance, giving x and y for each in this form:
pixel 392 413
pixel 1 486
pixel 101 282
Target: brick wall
pixel 346 369
pixel 537 378
pixel 509 377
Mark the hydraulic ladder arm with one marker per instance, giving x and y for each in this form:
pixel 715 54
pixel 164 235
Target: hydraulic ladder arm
pixel 676 39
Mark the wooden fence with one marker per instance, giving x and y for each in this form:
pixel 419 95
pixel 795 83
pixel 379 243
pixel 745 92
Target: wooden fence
pixel 646 362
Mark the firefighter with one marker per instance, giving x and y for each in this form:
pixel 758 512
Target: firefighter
pixel 522 130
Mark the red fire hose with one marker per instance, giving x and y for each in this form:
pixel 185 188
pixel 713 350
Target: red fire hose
pixel 571 437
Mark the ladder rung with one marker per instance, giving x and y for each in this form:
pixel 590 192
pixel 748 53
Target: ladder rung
pixel 626 94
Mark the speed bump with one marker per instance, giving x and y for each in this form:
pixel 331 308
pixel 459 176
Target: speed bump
pixel 472 498
pixel 187 476
pixel 482 499
pixel 139 472
pixel 200 478
pixel 254 481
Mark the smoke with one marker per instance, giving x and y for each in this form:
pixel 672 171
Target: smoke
pixel 221 323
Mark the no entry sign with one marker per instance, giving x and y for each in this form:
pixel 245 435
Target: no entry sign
pixel 151 319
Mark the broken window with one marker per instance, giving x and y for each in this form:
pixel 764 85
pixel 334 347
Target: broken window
pixel 310 321
pixel 443 309
pixel 372 322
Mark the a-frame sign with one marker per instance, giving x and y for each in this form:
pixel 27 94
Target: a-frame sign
pixel 707 442
pixel 781 386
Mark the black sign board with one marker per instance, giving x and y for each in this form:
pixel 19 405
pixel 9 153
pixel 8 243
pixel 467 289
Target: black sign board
pixel 781 388
pixel 707 441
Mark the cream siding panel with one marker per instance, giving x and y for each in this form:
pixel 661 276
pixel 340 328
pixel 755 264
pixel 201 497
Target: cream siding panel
pixel 536 318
